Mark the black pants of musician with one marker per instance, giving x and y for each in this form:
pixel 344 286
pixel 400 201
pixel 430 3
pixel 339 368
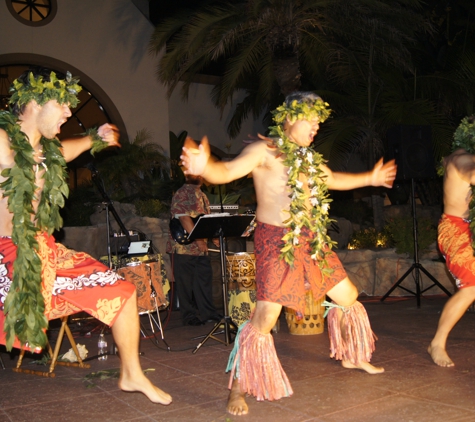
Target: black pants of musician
pixel 194 286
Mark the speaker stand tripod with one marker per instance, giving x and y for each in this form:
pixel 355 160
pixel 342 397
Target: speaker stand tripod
pixel 416 267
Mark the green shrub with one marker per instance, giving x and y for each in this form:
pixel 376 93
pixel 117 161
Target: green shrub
pixel 80 205
pixel 397 233
pixel 358 212
pixel 150 208
pixel 402 237
pixel 369 239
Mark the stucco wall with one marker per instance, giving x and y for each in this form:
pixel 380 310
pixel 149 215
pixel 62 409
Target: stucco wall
pixel 106 41
pixel 199 117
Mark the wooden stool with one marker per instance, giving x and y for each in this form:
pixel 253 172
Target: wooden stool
pixel 54 354
pixel 312 321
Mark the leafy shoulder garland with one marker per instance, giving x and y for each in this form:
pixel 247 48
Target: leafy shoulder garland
pixel 24 305
pixel 306 161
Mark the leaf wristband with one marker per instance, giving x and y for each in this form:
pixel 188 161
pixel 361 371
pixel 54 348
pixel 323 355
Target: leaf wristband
pixel 98 143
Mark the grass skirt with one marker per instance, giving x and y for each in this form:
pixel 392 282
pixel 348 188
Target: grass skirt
pixel 357 341
pixel 254 362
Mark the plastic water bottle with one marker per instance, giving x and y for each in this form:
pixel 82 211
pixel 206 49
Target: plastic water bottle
pixel 102 347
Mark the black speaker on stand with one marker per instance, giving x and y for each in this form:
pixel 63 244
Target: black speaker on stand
pixel 411 147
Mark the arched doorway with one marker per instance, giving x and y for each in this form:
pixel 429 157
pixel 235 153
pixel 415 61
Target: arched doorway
pixel 95 107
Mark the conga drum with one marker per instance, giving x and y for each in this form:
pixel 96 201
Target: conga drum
pixel 312 322
pixel 115 261
pixel 241 276
pixel 147 278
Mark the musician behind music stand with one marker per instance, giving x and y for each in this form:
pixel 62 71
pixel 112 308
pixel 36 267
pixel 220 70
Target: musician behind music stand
pixel 221 226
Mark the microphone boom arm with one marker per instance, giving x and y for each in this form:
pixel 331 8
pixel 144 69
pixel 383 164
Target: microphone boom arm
pixel 95 178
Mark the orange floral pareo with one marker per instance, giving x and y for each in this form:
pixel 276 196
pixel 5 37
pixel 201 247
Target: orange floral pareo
pixel 455 243
pixel 71 282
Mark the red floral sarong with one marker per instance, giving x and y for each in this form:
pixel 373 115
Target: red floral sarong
pixel 455 243
pixel 277 282
pixel 72 282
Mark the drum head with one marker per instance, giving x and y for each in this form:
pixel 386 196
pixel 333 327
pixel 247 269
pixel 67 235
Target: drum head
pixel 149 261
pixel 133 263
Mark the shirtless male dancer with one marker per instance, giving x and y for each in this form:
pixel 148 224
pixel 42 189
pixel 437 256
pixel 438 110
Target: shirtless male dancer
pixel 455 237
pixel 51 280
pixel 291 245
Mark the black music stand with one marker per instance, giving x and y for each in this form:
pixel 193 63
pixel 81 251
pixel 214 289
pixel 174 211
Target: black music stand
pixel 221 226
pixel 416 266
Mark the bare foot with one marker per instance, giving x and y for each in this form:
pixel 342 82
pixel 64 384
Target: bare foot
pixel 440 356
pixel 365 366
pixel 236 402
pixel 144 385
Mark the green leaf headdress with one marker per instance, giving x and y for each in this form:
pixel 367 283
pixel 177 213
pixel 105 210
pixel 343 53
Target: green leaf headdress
pixel 35 88
pixel 301 106
pixel 464 135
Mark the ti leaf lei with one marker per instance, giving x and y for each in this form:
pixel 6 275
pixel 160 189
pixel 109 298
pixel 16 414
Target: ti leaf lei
pixel 24 305
pixel 464 137
pixel 306 161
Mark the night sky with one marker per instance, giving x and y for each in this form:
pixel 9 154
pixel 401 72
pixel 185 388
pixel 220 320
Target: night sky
pixel 162 8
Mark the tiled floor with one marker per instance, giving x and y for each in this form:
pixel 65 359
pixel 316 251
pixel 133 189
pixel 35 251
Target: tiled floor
pixel 411 389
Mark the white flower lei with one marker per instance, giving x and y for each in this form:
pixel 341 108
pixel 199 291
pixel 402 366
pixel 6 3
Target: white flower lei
pixel 306 161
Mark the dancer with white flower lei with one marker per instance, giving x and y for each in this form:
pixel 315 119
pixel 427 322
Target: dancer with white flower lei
pixel 292 247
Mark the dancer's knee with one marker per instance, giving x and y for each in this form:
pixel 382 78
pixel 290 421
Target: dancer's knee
pixel 467 292
pixel 344 293
pixel 265 316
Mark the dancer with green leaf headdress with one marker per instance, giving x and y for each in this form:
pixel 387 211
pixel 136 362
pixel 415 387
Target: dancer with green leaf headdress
pixel 39 279
pixel 456 234
pixel 292 247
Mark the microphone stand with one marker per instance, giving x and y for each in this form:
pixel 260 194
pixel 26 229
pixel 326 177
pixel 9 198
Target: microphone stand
pixel 220 198
pixel 96 178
